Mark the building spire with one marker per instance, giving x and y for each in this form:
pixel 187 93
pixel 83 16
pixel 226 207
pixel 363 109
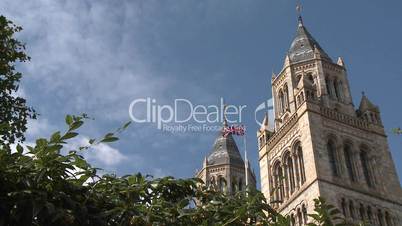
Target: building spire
pixel 299 10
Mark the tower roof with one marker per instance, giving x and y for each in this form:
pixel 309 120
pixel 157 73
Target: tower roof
pixel 225 151
pixel 366 104
pixel 304 45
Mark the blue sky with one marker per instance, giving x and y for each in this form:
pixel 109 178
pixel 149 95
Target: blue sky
pixel 98 56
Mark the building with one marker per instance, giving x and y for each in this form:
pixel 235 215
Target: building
pixel 322 146
pixel 224 169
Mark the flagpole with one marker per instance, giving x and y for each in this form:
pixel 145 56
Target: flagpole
pixel 245 159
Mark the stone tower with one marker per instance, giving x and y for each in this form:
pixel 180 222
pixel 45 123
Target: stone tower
pixel 224 168
pixel 322 146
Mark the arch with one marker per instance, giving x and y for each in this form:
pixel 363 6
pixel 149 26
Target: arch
pixel 222 184
pixel 290 172
pixel 304 211
pixel 234 185
pixel 281 103
pixel 292 220
pixel 286 96
pixel 347 152
pixel 351 209
pixel 369 215
pixel 331 148
pixel 299 217
pixel 361 212
pixel 278 182
pixel 343 206
pixel 299 153
pixel 340 91
pixel 380 218
pixel 365 166
pixel 388 219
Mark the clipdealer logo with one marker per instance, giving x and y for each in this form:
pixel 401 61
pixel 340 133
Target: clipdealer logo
pixel 182 111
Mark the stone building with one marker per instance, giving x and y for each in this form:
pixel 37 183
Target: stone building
pixel 224 169
pixel 322 146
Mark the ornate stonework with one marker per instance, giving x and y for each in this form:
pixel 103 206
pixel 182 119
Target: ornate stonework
pixel 322 146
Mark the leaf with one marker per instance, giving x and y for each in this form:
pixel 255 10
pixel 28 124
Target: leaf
pixel 75 125
pixel 20 149
pixel 69 119
pixel 55 138
pixel 109 139
pixel 69 135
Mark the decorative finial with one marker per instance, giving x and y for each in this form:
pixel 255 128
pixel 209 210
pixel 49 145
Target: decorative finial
pixel 299 10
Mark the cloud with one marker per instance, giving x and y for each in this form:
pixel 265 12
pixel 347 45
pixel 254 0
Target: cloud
pixel 102 155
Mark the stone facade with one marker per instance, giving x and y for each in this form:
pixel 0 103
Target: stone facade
pixel 322 146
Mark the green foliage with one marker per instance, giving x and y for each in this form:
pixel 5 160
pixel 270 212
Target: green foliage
pixel 397 131
pixel 13 110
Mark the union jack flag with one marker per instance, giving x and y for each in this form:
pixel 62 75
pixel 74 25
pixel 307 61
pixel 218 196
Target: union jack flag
pixel 235 130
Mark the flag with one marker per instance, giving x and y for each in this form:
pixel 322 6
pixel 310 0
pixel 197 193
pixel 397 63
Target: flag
pixel 235 130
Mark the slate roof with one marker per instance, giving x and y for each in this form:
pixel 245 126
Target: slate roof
pixel 303 46
pixel 225 151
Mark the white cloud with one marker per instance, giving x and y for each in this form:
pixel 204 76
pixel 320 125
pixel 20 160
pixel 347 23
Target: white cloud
pixel 102 154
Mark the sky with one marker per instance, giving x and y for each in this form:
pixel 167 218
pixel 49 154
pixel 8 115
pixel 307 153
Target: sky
pixel 96 57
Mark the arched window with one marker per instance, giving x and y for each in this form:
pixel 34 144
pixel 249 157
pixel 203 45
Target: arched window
pixel 336 88
pixel 212 183
pixel 304 210
pixel 299 152
pixel 292 220
pixel 388 219
pixel 343 206
pixel 380 219
pixel 286 96
pixel 278 182
pixel 349 161
pixel 240 185
pixel 291 174
pixel 331 147
pixel 299 217
pixel 281 102
pixel 361 211
pixel 351 209
pixel 339 88
pixel 365 167
pixel 369 215
pixel 234 185
pixel 222 184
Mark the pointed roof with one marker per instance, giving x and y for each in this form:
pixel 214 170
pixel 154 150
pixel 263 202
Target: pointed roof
pixel 304 45
pixel 225 151
pixel 366 104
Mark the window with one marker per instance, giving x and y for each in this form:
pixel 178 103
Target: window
pixel 222 184
pixel 361 211
pixel 388 220
pixel 304 210
pixel 281 102
pixel 286 96
pixel 351 209
pixel 240 185
pixel 369 216
pixel 380 219
pixel 332 157
pixel 365 166
pixel 278 182
pixel 301 163
pixel 343 205
pixel 299 217
pixel 348 161
pixel 291 174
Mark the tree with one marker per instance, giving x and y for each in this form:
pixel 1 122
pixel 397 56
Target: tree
pixel 14 112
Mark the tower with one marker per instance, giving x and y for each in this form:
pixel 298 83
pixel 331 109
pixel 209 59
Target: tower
pixel 322 146
pixel 224 169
